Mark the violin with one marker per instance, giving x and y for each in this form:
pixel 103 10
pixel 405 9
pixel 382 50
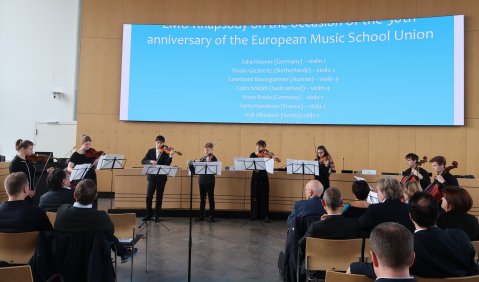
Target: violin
pixel 167 150
pixel 267 154
pixel 93 154
pixel 205 158
pixel 412 176
pixel 37 158
pixel 434 188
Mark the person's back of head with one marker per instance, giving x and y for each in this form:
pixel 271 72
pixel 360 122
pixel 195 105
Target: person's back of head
pixel 423 209
pixel 456 199
pixel 389 188
pixel 55 179
pixel 332 199
pixel 85 192
pixel 392 250
pixel 16 185
pixel 360 189
pixel 315 187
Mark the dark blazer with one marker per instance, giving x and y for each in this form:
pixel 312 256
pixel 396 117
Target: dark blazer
pixel 20 165
pixel 72 219
pixel 443 253
pixel 333 227
pixel 388 211
pixel 464 221
pixel 164 159
pixel 20 216
pixel 425 181
pixel 323 177
pixel 207 178
pixel 53 199
pixel 303 208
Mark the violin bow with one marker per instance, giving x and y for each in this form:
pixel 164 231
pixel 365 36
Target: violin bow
pixel 43 170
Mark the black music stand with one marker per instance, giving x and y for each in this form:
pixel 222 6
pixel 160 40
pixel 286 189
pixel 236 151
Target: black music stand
pixel 111 162
pixel 198 168
pixel 303 167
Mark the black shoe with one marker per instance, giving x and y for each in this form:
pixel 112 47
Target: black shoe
pixel 129 254
pixel 199 219
pixel 266 219
pixel 147 217
pixel 212 220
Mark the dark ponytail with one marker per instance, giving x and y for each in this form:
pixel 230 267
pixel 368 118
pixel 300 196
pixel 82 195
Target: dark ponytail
pixel 23 144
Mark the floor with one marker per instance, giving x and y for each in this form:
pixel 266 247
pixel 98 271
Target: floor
pixel 227 250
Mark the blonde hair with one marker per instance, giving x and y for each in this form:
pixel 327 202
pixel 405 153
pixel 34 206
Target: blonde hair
pixel 85 138
pixel 411 187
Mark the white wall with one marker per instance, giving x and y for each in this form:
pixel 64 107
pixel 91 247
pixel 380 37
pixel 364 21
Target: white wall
pixel 38 53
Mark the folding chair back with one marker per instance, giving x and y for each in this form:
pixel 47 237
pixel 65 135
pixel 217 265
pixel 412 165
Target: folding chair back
pixel 52 216
pixel 332 276
pixel 325 254
pixel 16 273
pixel 17 248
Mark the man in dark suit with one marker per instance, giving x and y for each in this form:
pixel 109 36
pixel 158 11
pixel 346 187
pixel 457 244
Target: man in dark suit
pixel 440 253
pixel 60 192
pixel 156 156
pixel 16 215
pixel 332 225
pixel 389 209
pixel 311 206
pixel 415 170
pixel 81 217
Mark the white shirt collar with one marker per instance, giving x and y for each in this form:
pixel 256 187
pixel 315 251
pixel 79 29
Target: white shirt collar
pixel 78 205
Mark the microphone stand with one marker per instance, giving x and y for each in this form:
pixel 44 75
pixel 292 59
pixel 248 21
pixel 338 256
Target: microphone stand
pixel 192 173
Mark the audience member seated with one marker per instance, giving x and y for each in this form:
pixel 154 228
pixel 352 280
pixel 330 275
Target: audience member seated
pixel 392 252
pixel 311 206
pixel 332 225
pixel 409 188
pixel 389 209
pixel 60 192
pixel 358 207
pixel 81 217
pixel 440 253
pixel 456 203
pixel 17 215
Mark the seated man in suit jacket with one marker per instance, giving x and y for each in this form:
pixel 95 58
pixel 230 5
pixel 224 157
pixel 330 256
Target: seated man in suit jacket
pixel 60 192
pixel 311 206
pixel 440 253
pixel 16 215
pixel 81 217
pixel 389 209
pixel 332 225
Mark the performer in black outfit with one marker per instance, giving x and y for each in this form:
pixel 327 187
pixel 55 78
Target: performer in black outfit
pixel 326 165
pixel 443 178
pixel 260 185
pixel 415 171
pixel 160 155
pixel 80 157
pixel 207 185
pixel 20 164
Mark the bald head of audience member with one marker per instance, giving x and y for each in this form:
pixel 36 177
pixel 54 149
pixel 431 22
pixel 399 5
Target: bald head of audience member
pixel 313 188
pixel 17 186
pixel 392 250
pixel 389 189
pixel 424 210
pixel 85 192
pixel 332 201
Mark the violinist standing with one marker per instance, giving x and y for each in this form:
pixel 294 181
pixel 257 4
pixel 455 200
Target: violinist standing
pixel 443 177
pixel 260 185
pixel 20 164
pixel 81 157
pixel 207 185
pixel 415 172
pixel 326 165
pixel 159 155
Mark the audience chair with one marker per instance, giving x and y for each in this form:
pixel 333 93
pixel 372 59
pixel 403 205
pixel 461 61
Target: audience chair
pixel 16 273
pixel 125 227
pixel 474 278
pixel 324 254
pixel 17 248
pixel 332 276
pixel 475 244
pixel 52 216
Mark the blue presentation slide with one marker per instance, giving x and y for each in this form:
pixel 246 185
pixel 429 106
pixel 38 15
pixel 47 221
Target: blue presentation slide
pixel 390 72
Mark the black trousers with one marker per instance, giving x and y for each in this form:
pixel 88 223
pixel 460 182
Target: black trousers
pixel 155 183
pixel 259 197
pixel 210 189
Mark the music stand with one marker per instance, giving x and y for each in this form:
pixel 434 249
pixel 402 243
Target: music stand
pixel 302 167
pixel 198 168
pixel 111 162
pixel 254 164
pixel 79 171
pixel 160 170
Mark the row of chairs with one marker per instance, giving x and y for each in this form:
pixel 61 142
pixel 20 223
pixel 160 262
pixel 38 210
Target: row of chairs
pixel 18 248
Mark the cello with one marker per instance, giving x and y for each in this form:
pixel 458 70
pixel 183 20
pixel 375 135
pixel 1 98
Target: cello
pixel 411 176
pixel 435 188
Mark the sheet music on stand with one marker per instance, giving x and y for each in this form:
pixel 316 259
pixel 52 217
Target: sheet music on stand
pixel 160 170
pixel 79 171
pixel 111 161
pixel 207 168
pixel 254 164
pixel 372 196
pixel 302 167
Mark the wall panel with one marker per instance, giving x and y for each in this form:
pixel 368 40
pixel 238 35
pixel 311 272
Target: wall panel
pixel 264 11
pixel 143 11
pixel 429 8
pixel 222 12
pixel 393 9
pixel 471 74
pixel 102 18
pixel 348 10
pixel 183 12
pixel 305 11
